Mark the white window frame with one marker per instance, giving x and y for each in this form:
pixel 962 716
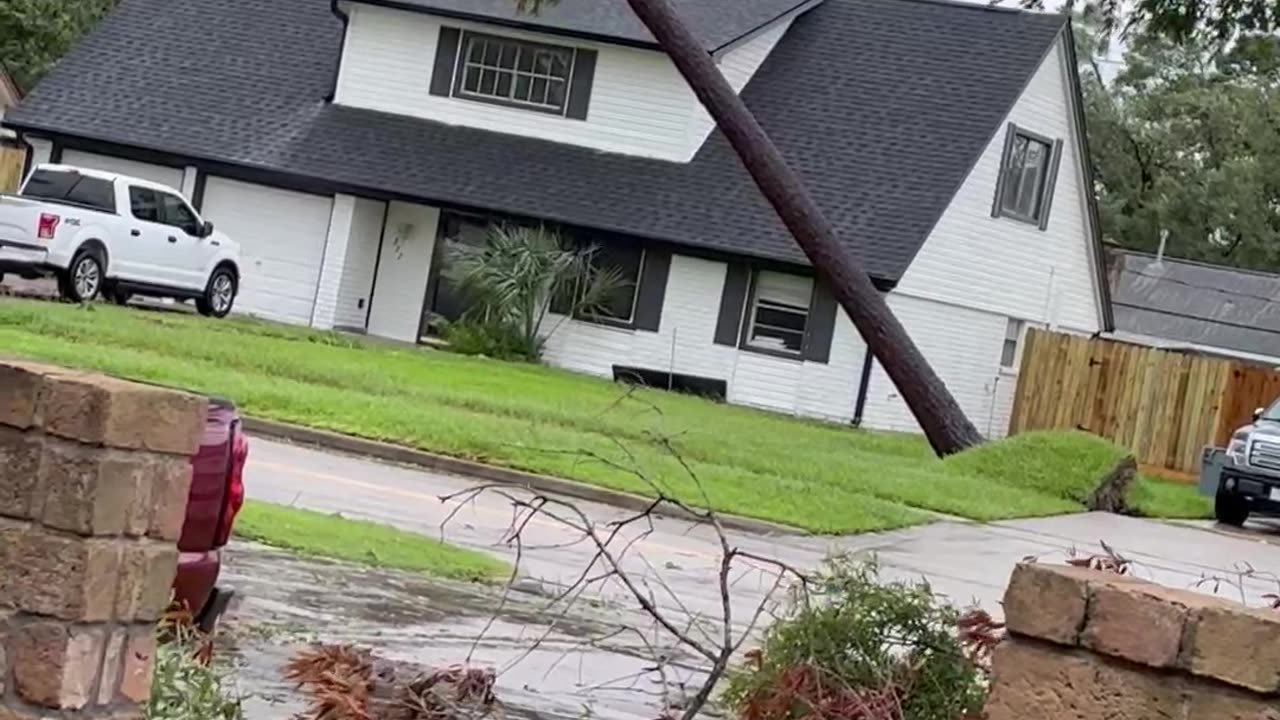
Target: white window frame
pixel 1044 186
pixel 1015 332
pixel 753 308
pixel 635 299
pixel 463 62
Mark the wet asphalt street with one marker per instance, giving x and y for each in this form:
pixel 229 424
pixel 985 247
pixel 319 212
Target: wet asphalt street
pixel 430 622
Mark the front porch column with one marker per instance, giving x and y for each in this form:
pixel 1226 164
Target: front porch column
pixel 335 260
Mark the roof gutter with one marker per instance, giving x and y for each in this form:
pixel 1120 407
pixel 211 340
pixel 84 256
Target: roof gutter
pixel 342 46
pixel 1091 197
pixel 514 23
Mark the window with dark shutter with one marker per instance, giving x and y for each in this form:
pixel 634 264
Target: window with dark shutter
pixel 1024 190
pixel 516 73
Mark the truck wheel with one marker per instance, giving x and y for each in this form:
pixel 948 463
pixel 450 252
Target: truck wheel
pixel 84 277
pixel 219 294
pixel 1230 509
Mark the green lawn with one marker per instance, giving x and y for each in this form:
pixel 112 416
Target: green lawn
pixel 333 536
pixel 811 475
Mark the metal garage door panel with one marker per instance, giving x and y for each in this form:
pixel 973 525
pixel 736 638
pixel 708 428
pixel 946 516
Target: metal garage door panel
pixel 162 174
pixel 282 236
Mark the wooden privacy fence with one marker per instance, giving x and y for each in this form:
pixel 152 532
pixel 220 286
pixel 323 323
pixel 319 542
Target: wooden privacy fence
pixel 1165 406
pixel 11 162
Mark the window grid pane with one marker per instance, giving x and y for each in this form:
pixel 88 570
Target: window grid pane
pixel 1025 175
pixel 517 72
pixel 780 316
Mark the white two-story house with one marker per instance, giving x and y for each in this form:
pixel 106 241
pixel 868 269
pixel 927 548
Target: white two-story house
pixel 346 145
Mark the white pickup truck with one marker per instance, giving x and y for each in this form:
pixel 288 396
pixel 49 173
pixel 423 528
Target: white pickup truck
pixel 101 233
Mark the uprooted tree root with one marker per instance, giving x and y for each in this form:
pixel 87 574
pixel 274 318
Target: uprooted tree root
pixel 348 683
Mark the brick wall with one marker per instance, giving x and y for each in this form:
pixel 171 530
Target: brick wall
pixel 94 475
pixel 1086 645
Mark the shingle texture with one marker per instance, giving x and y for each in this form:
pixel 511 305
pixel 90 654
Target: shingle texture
pixel 715 23
pixel 1194 303
pixel 882 106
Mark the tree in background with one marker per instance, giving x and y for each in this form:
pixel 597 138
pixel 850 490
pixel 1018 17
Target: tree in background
pixel 34 34
pixel 1186 139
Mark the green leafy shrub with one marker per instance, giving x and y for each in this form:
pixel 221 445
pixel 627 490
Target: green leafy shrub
pixel 186 685
pixel 858 648
pixel 492 338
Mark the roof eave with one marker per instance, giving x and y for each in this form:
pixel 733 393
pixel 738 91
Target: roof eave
pixel 1091 198
pixel 514 23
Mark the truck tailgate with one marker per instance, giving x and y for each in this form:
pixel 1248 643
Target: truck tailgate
pixel 19 221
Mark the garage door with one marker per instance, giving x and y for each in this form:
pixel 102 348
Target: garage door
pixel 162 174
pixel 282 236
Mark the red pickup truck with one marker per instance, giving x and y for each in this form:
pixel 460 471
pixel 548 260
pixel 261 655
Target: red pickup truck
pixel 217 494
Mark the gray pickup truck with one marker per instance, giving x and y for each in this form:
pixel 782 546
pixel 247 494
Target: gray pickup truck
pixel 1244 479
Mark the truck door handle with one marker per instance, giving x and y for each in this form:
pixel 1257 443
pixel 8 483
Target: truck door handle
pixel 135 232
pixel 173 239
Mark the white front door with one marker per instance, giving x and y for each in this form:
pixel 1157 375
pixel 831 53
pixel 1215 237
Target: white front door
pixel 407 246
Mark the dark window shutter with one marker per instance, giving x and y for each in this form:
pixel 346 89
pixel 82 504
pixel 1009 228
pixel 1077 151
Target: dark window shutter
pixel 584 74
pixel 446 57
pixel 1010 133
pixel 653 289
pixel 736 282
pixel 821 325
pixel 1049 184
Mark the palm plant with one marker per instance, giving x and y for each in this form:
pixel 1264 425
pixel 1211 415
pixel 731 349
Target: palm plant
pixel 513 281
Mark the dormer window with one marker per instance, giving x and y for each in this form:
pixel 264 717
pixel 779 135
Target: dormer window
pixel 514 72
pixel 536 76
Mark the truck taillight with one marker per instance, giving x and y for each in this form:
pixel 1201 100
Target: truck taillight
pixel 48 226
pixel 233 499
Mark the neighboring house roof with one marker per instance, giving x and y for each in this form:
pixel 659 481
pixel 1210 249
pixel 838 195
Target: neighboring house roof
pixel 715 23
pixel 1197 304
pixel 882 106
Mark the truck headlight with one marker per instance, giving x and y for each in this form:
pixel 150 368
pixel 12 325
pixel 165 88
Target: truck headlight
pixel 1237 450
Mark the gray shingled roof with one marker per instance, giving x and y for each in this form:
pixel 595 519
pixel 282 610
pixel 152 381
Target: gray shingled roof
pixel 881 105
pixel 1195 303
pixel 715 23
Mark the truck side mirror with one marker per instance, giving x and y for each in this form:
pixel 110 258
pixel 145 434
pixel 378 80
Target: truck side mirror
pixel 1257 413
pixel 206 229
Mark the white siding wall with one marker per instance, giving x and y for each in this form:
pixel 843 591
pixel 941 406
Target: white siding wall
pixel 163 174
pixel 354 291
pixel 975 272
pixel 407 247
pixel 739 64
pixel 639 104
pixel 963 345
pixel 684 345
pixel 1008 267
pixel 41 151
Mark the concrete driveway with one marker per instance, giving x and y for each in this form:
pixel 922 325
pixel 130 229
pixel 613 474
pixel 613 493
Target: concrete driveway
pixel 966 561
pixel 287 601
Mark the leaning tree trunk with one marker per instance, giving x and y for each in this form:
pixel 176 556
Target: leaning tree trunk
pixel 943 421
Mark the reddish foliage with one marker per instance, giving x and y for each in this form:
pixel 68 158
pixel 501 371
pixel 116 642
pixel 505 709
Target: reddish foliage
pixel 803 688
pixel 339 679
pixel 346 683
pixel 979 635
pixel 1109 561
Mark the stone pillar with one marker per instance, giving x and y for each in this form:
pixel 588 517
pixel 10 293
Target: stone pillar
pixel 94 476
pixel 1087 645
